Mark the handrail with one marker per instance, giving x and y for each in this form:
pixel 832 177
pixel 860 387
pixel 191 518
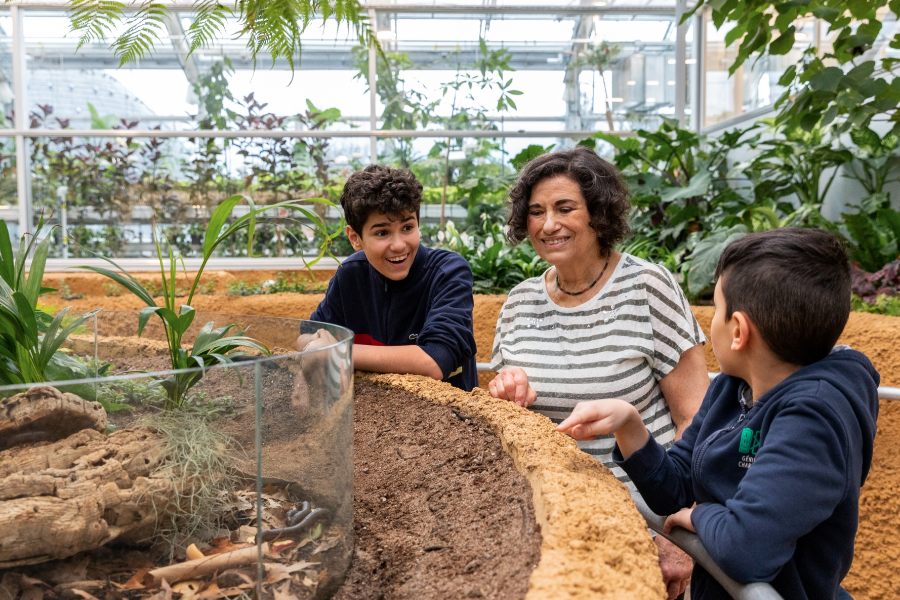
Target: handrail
pixel 691 544
pixel 884 393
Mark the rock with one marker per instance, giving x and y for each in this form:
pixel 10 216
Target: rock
pixel 44 414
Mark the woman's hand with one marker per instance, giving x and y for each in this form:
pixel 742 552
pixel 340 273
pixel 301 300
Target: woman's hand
pixel 512 385
pixel 681 519
pixel 602 417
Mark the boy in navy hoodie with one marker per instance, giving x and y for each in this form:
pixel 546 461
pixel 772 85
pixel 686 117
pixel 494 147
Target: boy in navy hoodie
pixel 769 471
pixel 410 307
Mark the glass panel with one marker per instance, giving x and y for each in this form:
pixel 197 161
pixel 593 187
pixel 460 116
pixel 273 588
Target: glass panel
pixel 260 450
pixel 8 190
pixel 109 191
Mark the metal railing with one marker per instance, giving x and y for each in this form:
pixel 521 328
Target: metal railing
pixel 690 543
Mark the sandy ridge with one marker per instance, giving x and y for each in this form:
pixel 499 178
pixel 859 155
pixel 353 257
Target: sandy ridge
pixel 595 544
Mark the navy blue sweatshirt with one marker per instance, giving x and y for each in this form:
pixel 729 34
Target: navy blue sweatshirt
pixel 776 484
pixel 431 307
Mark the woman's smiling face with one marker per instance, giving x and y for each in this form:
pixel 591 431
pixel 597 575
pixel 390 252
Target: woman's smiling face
pixel 559 222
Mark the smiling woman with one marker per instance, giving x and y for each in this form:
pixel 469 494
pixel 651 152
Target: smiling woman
pixel 598 323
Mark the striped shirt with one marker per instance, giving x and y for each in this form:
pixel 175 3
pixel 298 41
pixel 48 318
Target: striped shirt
pixel 618 344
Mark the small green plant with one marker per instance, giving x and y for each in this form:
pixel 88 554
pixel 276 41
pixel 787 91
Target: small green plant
pixel 65 293
pixel 208 288
pixel 212 345
pixel 112 289
pixel 283 283
pixel 883 305
pixel 242 288
pixel 30 339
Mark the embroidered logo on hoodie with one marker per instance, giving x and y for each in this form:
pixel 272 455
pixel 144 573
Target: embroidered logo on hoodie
pixel 749 447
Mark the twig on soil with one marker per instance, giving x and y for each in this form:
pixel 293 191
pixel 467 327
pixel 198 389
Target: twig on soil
pixel 195 569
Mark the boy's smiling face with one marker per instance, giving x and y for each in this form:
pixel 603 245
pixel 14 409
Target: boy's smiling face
pixel 390 243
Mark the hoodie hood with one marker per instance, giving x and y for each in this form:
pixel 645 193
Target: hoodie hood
pixel 853 375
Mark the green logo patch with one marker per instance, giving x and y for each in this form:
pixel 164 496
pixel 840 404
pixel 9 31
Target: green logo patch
pixel 749 441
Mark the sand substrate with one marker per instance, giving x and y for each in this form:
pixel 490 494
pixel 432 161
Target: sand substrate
pixel 873 576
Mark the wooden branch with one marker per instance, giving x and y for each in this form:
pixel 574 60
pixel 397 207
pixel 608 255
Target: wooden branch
pixel 196 569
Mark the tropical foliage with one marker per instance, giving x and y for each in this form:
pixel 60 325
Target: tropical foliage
pixel 30 339
pixel 270 28
pixel 212 345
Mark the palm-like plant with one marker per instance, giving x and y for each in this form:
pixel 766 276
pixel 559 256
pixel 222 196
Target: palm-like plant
pixel 30 338
pixel 212 346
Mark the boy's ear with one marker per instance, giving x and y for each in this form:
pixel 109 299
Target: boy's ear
pixel 741 330
pixel 355 239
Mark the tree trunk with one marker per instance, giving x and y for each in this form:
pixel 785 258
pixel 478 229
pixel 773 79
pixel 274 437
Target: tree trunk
pixel 60 498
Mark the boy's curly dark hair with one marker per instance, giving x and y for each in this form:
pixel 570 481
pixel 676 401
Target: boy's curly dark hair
pixel 601 184
pixel 392 192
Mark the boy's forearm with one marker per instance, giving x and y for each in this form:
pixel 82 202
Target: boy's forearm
pixel 396 359
pixel 632 435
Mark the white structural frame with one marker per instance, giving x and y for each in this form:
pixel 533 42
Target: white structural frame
pixel 23 134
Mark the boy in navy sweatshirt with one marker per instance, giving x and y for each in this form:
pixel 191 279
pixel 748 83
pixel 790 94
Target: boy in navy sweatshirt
pixel 409 306
pixel 769 471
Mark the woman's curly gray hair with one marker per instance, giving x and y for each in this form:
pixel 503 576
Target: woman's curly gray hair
pixel 602 186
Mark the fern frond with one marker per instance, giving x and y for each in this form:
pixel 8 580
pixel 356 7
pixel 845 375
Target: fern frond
pixel 144 29
pixel 93 19
pixel 207 22
pixel 275 26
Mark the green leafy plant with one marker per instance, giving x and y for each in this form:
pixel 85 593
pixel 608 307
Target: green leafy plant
pixel 496 266
pixel 883 305
pixel 212 345
pixel 874 230
pixel 65 293
pixel 30 339
pixel 274 28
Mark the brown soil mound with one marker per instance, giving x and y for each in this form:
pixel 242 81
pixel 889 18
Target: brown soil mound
pixel 439 509
pixel 595 544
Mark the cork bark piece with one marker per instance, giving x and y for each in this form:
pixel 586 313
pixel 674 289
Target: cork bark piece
pixel 595 544
pixel 46 414
pixel 78 493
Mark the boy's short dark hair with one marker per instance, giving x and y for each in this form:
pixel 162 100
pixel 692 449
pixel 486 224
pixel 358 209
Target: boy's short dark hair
pixel 392 192
pixel 602 186
pixel 794 284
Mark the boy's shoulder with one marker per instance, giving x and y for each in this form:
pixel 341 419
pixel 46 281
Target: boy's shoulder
pixel 447 261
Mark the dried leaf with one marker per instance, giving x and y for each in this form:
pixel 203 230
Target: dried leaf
pixel 223 544
pixel 276 572
pixel 140 580
pixel 81 593
pixel 327 544
pixel 285 592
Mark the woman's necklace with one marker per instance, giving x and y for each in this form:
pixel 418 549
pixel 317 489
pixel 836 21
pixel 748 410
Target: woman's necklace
pixel 599 277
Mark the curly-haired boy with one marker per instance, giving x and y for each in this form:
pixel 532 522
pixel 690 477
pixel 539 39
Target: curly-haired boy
pixel 409 306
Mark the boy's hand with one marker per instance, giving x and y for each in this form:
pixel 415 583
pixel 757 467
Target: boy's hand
pixel 681 519
pixel 602 417
pixel 512 385
pixel 319 339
